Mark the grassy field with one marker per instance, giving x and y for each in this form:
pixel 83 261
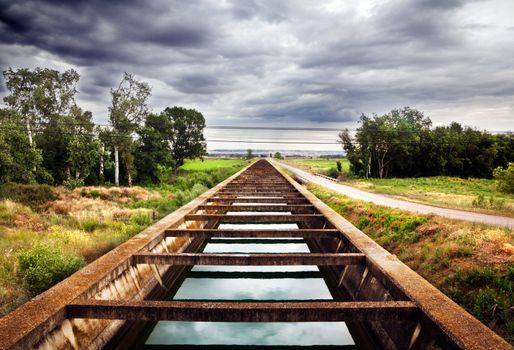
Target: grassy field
pixel 320 166
pixel 479 195
pixel 213 163
pixel 452 192
pixel 47 233
pixel 472 264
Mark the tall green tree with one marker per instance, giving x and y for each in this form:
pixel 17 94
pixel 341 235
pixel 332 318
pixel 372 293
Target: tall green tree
pixel 18 160
pixel 153 149
pixel 402 143
pixel 126 113
pixel 39 95
pixel 186 140
pixel 83 148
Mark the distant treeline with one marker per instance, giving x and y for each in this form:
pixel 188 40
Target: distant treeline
pixel 403 143
pixel 45 137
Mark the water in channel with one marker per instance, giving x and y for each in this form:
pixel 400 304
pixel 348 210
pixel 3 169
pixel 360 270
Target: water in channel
pixel 252 283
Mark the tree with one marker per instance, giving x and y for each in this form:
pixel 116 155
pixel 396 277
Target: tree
pixel 249 154
pixel 18 160
pixel 127 110
pixel 505 178
pixel 36 96
pixel 339 166
pixel 278 155
pixel 185 140
pixel 153 149
pixel 83 150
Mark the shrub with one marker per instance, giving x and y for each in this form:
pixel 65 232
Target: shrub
pixel 363 222
pixel 339 166
pixel 43 266
pixel 141 219
pixel 183 197
pixel 90 224
pixel 332 172
pixel 505 178
pixel 71 184
pixel 31 195
pixel 480 277
pixel 484 303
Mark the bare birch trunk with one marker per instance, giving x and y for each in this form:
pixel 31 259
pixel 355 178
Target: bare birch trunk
pixel 101 173
pixel 116 166
pixel 29 132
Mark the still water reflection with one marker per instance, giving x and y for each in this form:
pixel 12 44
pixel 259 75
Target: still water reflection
pixel 252 283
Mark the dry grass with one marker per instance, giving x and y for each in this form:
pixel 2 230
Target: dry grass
pixel 450 254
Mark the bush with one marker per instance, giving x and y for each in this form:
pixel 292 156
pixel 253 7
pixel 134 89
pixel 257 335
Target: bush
pixel 339 166
pixel 43 266
pixel 484 303
pixel 90 224
pixel 332 172
pixel 141 219
pixel 505 178
pixel 30 195
pixel 183 197
pixel 71 184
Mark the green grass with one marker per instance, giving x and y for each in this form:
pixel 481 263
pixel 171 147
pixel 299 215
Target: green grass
pixel 479 195
pixel 452 192
pixel 320 165
pixel 213 163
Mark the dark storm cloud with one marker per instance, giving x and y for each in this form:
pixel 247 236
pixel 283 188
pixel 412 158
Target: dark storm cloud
pixel 273 61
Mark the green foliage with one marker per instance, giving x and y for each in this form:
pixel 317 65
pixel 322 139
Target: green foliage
pixel 484 304
pixel 505 178
pixel 185 196
pixel 90 224
pixel 249 154
pixel 186 135
pixel 141 219
pixel 278 155
pixel 339 166
pixel 332 172
pixel 402 143
pixel 73 183
pixel 42 266
pixel 19 162
pixel 154 162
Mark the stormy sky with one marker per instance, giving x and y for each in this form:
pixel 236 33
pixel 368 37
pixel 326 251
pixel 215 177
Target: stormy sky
pixel 284 63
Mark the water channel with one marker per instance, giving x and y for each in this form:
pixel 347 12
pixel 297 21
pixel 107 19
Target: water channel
pixel 251 283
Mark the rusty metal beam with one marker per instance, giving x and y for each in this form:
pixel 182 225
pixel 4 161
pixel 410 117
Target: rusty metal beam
pixel 254 218
pixel 209 233
pixel 318 259
pixel 333 311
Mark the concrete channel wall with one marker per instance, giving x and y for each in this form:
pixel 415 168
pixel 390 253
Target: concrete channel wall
pixel 438 323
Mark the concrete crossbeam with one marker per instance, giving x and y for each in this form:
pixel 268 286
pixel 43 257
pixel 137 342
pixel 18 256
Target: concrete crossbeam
pixel 209 233
pixel 319 259
pixel 332 311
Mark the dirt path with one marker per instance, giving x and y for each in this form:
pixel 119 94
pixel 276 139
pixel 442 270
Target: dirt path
pixel 398 203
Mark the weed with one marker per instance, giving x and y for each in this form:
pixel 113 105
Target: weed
pixel 42 266
pixel 90 224
pixel 363 222
pixel 484 304
pixel 141 219
pixel 480 277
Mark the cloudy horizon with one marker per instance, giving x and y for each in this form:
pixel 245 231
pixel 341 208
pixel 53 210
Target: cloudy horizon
pixel 279 63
